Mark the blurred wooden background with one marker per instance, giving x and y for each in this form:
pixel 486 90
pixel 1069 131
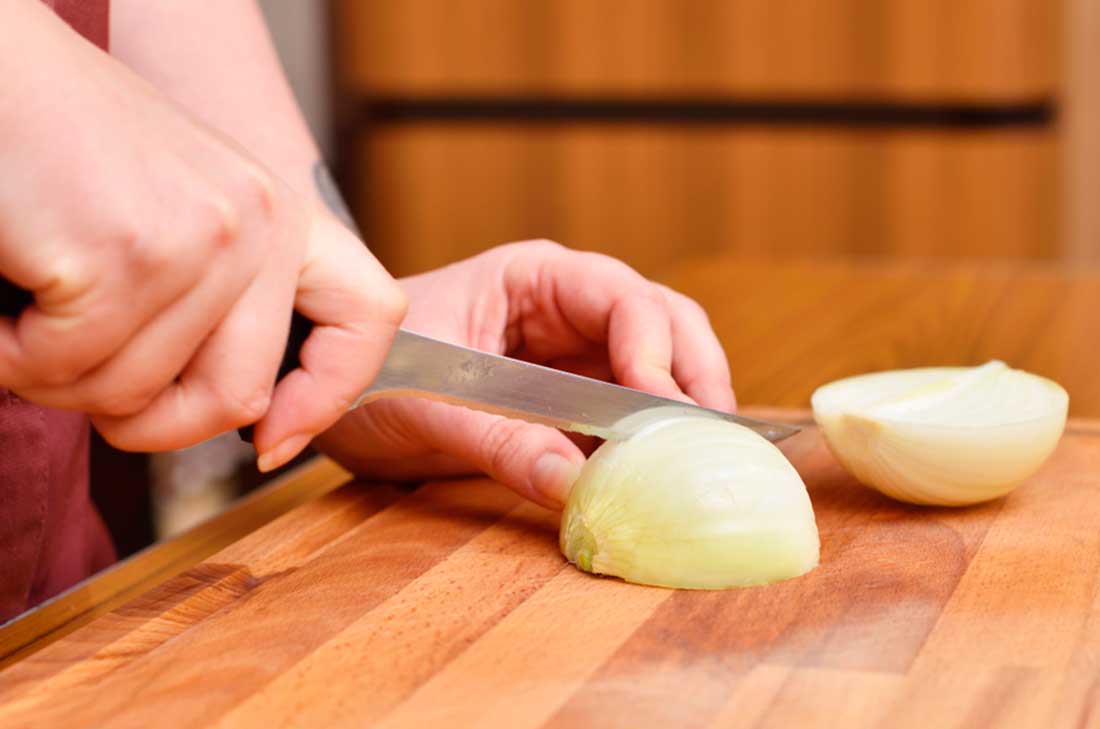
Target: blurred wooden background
pixel 657 129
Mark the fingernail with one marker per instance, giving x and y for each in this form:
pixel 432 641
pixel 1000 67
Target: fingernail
pixel 271 459
pixel 553 476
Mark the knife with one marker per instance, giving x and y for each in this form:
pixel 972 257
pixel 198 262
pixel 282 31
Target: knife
pixel 419 366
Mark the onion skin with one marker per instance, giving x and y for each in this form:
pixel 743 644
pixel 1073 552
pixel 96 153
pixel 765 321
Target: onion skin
pixel 942 436
pixel 690 502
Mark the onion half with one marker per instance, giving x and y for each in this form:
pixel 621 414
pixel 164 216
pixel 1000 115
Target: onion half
pixel 945 436
pixel 690 502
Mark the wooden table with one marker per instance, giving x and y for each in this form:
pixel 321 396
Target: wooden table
pixel 450 605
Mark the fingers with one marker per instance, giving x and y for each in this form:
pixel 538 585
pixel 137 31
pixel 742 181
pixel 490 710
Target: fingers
pixel 56 342
pixel 227 381
pixel 356 308
pixel 226 384
pixel 593 364
pixel 535 461
pixel 639 345
pixel 99 291
pixel 129 381
pixel 699 363
pixel 656 339
pixel 586 298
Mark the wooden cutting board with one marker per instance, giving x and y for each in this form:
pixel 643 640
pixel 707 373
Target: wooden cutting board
pixel 451 606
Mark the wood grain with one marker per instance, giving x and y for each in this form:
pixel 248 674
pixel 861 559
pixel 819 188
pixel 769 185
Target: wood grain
pixel 790 327
pixel 451 606
pixel 980 50
pixel 787 328
pixel 432 193
pixel 149 568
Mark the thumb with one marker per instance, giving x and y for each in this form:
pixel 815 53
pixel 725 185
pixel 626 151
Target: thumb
pixel 537 462
pixel 356 308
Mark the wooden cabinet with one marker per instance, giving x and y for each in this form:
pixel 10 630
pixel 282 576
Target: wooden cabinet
pixel 992 50
pixel 652 129
pixel 654 195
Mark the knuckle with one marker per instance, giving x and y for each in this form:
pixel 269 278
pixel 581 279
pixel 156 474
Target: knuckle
pixel 535 246
pixel 150 256
pixel 339 403
pixel 68 280
pixel 652 294
pixel 643 372
pixel 617 269
pixel 244 408
pixel 258 190
pixel 689 304
pixel 670 294
pixel 57 372
pixel 120 434
pixel 634 371
pixel 545 245
pixel 386 303
pixel 501 445
pixel 129 401
pixel 218 222
pixel 117 438
pixel 643 297
pixel 387 306
pixel 394 304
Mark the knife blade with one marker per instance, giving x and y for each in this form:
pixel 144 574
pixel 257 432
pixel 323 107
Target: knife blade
pixel 420 366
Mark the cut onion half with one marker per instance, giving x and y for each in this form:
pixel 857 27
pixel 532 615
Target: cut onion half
pixel 946 436
pixel 690 502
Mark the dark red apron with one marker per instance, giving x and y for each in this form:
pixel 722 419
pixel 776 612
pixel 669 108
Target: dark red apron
pixel 50 534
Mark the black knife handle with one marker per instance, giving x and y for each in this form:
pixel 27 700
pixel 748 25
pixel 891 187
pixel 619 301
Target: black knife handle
pixel 13 299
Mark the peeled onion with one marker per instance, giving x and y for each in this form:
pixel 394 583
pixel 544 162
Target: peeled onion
pixel 691 502
pixel 947 435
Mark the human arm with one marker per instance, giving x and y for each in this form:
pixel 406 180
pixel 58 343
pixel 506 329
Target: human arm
pixel 218 61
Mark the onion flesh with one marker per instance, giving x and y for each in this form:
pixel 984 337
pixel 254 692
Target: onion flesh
pixel 690 502
pixel 946 436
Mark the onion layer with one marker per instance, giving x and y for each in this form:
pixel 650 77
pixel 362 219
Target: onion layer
pixel 946 436
pixel 690 502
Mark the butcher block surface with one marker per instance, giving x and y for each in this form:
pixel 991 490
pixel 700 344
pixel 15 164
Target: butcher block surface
pixel 450 605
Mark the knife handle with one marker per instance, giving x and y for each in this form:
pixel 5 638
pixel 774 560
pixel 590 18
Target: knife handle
pixel 300 328
pixel 13 300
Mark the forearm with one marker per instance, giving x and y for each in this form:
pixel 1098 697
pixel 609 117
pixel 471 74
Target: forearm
pixel 52 79
pixel 217 60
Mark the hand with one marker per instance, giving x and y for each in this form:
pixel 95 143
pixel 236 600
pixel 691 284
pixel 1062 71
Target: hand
pixel 165 263
pixel 581 312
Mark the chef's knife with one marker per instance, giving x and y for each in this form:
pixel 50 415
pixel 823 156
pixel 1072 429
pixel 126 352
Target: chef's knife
pixel 420 366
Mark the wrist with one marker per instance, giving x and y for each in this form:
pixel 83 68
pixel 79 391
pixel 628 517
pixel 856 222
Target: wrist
pixel 47 55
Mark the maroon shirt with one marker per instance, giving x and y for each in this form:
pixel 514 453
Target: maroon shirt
pixel 50 534
pixel 90 18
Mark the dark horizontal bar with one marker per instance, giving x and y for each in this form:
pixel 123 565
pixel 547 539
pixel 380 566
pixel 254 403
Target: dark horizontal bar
pixel 712 111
